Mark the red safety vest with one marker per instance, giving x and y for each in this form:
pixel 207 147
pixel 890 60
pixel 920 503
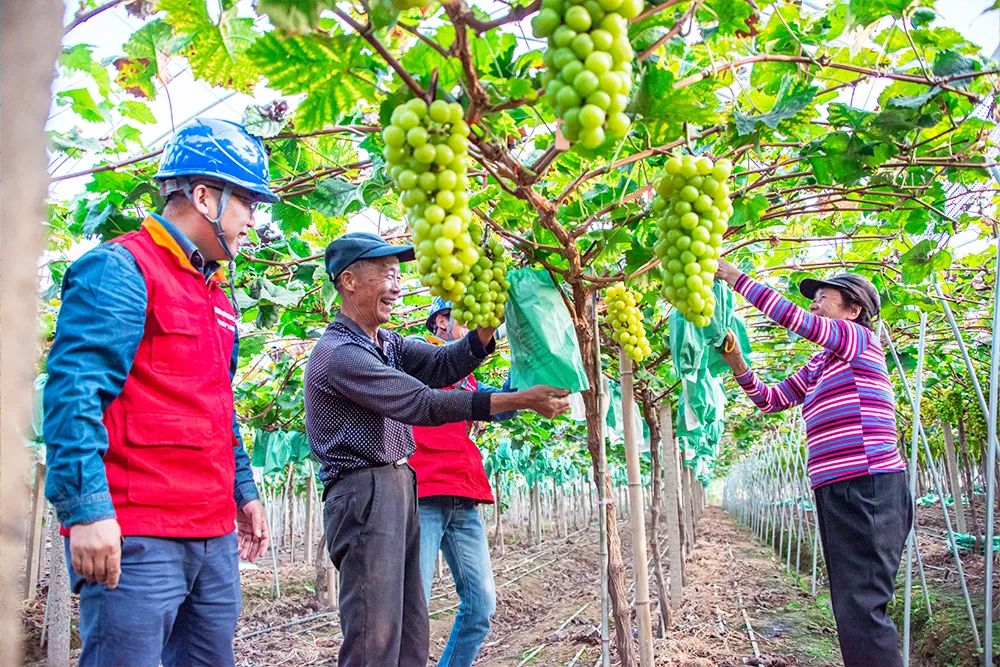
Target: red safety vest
pixel 170 463
pixel 447 461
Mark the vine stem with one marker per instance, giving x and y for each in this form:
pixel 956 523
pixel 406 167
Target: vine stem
pixel 82 18
pixel 673 32
pixel 825 62
pixel 367 34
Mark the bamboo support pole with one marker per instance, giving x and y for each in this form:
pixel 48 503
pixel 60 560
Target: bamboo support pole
pixel 641 569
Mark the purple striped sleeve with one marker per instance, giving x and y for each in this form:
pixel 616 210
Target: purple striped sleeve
pixel 843 338
pixel 788 393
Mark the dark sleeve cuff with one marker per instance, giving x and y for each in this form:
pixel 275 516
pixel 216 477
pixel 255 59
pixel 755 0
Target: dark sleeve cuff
pixel 480 406
pixel 476 344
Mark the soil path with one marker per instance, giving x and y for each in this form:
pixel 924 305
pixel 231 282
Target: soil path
pixel 548 609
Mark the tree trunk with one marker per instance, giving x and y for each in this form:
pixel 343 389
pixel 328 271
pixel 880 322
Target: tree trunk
pixel 652 419
pixel 617 591
pixel 57 606
pixel 30 33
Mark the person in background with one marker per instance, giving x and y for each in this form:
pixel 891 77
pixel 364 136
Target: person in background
pixel 146 467
pixel 863 503
pixel 451 482
pixel 364 388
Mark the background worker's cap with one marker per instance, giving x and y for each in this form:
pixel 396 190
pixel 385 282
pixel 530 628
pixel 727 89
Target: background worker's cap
pixel 859 287
pixel 216 149
pixel 438 306
pixel 349 248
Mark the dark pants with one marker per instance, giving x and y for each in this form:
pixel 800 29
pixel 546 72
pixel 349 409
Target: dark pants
pixel 176 604
pixel 863 523
pixel 373 534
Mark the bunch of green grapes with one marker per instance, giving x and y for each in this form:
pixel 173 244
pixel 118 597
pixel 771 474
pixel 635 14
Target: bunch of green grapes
pixel 483 303
pixel 426 149
pixel 588 73
pixel 626 322
pixel 692 202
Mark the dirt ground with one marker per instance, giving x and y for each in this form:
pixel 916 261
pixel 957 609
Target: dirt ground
pixel 548 609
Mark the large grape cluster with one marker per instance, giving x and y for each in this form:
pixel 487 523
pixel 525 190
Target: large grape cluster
pixel 626 322
pixel 483 303
pixel 588 61
pixel 692 202
pixel 425 148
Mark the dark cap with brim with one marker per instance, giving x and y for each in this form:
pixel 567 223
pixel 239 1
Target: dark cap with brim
pixel 859 287
pixel 351 247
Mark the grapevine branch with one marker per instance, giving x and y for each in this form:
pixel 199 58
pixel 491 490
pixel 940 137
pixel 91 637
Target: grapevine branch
pixel 368 34
pixel 673 32
pixel 824 61
pixel 82 17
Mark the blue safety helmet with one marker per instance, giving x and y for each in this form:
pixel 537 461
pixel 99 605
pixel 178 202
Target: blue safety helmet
pixel 438 306
pixel 218 149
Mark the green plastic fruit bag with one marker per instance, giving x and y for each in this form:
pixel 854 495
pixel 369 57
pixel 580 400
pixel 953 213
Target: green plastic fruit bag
pixel 543 344
pixel 716 364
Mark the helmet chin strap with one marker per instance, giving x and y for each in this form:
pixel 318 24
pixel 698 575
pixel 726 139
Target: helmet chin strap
pixel 220 234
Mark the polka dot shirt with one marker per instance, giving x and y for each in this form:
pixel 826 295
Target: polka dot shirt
pixel 361 400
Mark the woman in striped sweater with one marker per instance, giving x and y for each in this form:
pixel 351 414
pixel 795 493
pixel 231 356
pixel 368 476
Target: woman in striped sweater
pixel 863 503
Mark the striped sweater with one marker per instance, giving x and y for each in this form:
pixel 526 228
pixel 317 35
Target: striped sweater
pixel 846 397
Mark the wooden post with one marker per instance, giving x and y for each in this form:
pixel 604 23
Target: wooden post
pixel 951 469
pixel 290 507
pixel 33 547
pixel 310 509
pixel 30 33
pixel 671 488
pixel 58 610
pixel 498 516
pixel 640 561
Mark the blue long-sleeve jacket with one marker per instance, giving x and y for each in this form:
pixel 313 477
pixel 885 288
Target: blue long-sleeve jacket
pixel 101 323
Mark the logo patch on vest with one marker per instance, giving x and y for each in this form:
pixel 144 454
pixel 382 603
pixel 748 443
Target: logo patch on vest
pixel 224 319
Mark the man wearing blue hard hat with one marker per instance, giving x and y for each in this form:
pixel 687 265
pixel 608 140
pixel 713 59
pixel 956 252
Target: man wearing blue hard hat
pixel 364 388
pixel 146 467
pixel 451 482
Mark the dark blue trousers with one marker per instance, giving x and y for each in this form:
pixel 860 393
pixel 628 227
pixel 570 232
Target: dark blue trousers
pixel 176 603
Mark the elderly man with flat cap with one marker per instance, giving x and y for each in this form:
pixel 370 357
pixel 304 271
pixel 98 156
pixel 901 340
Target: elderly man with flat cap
pixel 863 502
pixel 365 387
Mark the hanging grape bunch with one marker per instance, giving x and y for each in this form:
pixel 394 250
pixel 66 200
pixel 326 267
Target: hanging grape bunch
pixel 483 303
pixel 626 322
pixel 425 148
pixel 692 202
pixel 588 62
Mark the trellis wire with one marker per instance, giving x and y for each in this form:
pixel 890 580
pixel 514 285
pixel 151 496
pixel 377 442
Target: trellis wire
pixel 911 539
pixel 937 482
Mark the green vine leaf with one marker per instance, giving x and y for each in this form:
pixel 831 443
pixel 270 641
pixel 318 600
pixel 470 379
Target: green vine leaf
pixel 216 51
pixel 333 72
pixel 793 98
